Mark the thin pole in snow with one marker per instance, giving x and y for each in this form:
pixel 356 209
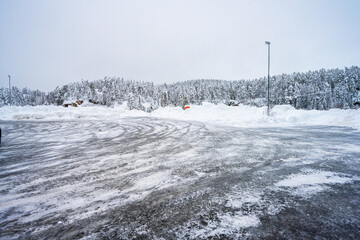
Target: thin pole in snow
pixel 268 110
pixel 10 89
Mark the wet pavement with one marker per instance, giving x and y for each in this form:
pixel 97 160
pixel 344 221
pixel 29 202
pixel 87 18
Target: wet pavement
pixel 145 178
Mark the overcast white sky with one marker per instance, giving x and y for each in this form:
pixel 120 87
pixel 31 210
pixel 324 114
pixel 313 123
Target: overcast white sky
pixel 48 43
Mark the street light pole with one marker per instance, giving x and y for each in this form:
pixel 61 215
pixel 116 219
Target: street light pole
pixel 268 110
pixel 10 89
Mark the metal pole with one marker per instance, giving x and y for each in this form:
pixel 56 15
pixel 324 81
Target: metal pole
pixel 10 89
pixel 268 110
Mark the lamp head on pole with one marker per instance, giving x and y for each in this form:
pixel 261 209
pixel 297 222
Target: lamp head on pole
pixel 8 75
pixel 267 42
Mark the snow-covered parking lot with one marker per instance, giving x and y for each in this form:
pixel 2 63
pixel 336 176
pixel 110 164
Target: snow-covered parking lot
pixel 145 177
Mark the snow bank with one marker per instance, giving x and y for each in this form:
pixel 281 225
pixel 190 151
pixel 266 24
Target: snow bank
pixel 88 111
pixel 248 116
pixel 241 116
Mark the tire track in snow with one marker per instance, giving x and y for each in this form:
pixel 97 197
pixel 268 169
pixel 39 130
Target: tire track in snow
pixel 163 178
pixel 71 162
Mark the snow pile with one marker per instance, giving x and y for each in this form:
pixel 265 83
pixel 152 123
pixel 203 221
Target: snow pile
pixel 88 111
pixel 241 116
pixel 244 116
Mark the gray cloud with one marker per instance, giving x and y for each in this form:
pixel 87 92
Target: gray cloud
pixel 44 44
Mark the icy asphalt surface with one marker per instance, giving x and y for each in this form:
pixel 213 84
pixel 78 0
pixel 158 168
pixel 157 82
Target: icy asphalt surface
pixel 146 178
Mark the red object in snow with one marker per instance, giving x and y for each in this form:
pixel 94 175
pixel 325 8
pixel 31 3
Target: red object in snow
pixel 187 107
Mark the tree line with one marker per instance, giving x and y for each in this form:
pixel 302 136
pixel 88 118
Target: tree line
pixel 321 90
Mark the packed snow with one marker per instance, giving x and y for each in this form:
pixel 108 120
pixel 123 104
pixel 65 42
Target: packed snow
pixel 239 116
pixel 313 181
